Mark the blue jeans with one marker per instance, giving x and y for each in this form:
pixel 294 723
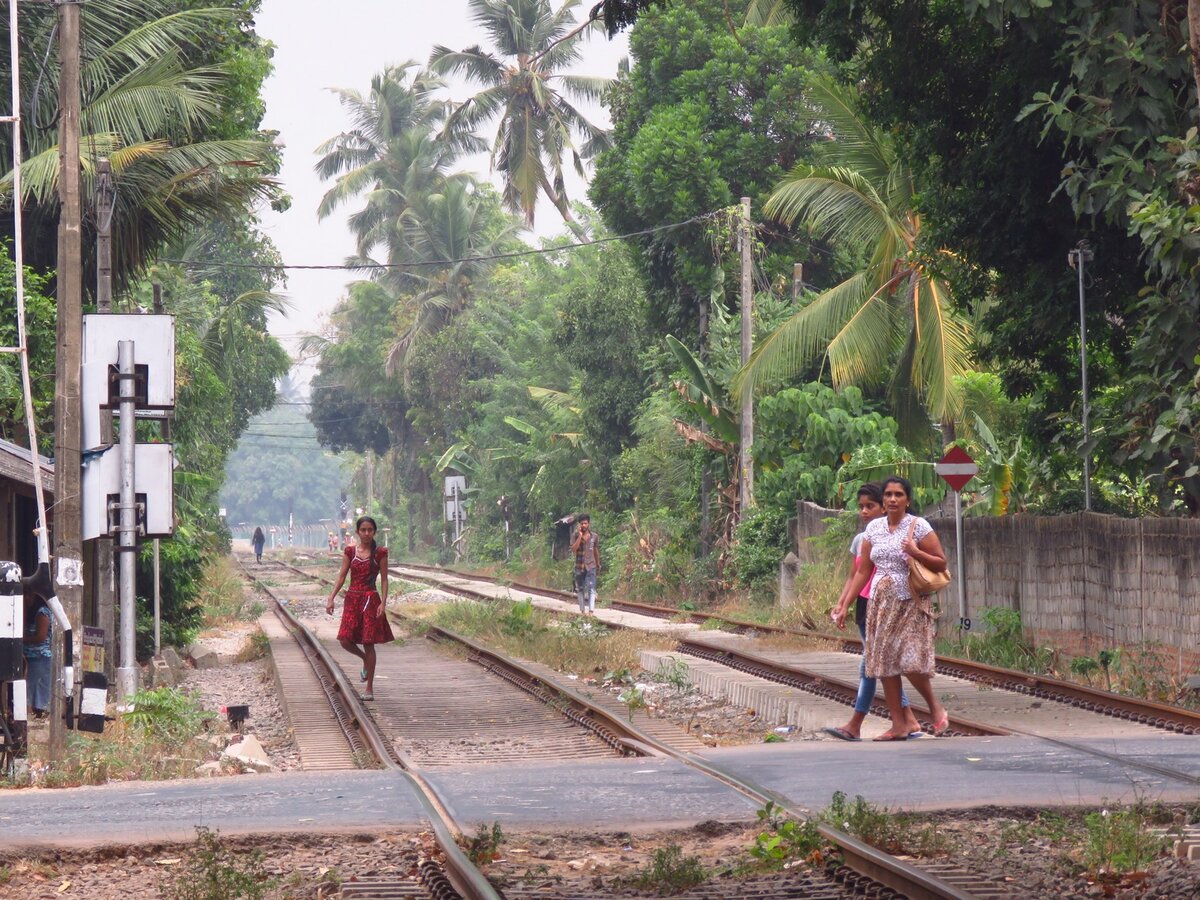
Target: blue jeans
pixel 37 681
pixel 866 686
pixel 585 587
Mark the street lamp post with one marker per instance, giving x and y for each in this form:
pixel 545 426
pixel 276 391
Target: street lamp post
pixel 1077 259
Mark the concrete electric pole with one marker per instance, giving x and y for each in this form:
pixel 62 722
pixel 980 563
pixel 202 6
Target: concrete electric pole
pixel 746 482
pixel 105 574
pixel 68 544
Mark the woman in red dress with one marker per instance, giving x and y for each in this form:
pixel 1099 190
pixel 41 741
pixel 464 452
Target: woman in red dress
pixel 364 618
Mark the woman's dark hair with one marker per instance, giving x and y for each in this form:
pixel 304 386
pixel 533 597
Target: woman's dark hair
pixel 258 535
pixel 872 491
pixel 908 489
pixel 358 524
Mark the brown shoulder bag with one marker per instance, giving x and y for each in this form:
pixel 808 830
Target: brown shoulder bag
pixel 923 580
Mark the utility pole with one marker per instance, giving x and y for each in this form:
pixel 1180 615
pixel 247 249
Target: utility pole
pixel 105 574
pixel 127 532
pixel 68 544
pixel 1077 259
pixel 746 482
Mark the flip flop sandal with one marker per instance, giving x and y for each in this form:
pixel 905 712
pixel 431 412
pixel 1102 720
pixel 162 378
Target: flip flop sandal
pixel 841 734
pixel 940 726
pixel 888 736
pixel 362 675
pixel 913 735
pixel 367 696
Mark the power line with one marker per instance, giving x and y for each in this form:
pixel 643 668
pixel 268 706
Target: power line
pixel 440 262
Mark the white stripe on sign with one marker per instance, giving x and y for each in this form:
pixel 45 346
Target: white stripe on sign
pixel 92 702
pixel 12 617
pixel 956 469
pixel 20 713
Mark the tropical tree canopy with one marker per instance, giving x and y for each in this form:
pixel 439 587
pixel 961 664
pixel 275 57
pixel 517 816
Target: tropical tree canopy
pixel 893 320
pixel 158 100
pixel 523 86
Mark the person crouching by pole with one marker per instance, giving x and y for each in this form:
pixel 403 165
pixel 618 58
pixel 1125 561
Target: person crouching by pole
pixel 587 564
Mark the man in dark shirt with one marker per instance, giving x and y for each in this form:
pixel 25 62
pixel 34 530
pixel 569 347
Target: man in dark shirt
pixel 587 564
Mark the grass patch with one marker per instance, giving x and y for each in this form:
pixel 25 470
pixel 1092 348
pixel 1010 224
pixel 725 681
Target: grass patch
pixel 890 832
pixel 1001 642
pixel 670 872
pixel 1121 840
pixel 577 645
pixel 213 871
pixel 162 738
pixel 220 596
pixel 257 646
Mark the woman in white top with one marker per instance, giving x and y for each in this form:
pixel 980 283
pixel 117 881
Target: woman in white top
pixel 900 627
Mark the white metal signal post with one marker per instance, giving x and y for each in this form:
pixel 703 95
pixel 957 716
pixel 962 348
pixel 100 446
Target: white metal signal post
pixel 956 469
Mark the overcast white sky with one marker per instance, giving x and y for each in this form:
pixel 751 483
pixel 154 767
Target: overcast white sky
pixel 320 45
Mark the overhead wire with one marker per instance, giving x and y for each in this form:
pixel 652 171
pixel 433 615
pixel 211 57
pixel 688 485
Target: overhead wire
pixel 516 254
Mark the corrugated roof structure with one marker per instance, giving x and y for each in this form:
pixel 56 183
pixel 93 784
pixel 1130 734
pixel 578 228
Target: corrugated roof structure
pixel 16 464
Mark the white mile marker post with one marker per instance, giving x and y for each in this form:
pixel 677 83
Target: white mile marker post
pixel 956 468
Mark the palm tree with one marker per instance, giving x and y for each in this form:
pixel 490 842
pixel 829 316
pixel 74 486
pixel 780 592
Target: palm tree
pixel 392 152
pixel 892 320
pixel 450 235
pixel 522 83
pixel 149 108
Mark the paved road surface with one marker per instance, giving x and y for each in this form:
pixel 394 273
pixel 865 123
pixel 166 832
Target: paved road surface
pixel 618 794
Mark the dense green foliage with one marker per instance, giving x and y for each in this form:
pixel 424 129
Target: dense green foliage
pixel 1031 126
pixel 702 119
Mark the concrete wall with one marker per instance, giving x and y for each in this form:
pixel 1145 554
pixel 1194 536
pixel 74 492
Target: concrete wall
pixel 1081 582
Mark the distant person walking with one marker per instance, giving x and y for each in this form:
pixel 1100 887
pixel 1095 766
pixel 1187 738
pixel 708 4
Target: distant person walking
pixel 586 547
pixel 870 508
pixel 364 617
pixel 258 541
pixel 36 644
pixel 900 627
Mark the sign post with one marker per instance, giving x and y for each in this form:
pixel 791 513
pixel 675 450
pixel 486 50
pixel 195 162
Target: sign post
pixel 957 468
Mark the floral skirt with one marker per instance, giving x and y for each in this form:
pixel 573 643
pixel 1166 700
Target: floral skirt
pixel 900 633
pixel 361 623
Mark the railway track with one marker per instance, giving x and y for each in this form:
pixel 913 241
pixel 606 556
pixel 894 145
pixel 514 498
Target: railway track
pixel 860 870
pixel 1039 689
pixel 450 876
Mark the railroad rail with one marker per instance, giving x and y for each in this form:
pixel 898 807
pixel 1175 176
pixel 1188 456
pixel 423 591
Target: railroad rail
pixel 453 876
pixel 863 870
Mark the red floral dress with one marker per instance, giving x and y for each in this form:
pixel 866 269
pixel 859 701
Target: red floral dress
pixel 361 623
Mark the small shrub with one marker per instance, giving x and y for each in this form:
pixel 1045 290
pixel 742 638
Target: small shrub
pixel 671 872
pixel 257 646
pixel 214 872
pixel 676 673
pixel 784 840
pixel 485 846
pixel 1002 642
pixel 167 713
pixel 1120 841
pixel 892 833
pixel 634 699
pixel 519 619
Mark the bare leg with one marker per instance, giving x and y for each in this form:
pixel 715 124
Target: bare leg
pixel 369 665
pixel 923 682
pixel 351 647
pixel 891 693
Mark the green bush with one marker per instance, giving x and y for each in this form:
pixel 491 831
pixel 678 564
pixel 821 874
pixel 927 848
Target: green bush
pixel 761 544
pixel 167 713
